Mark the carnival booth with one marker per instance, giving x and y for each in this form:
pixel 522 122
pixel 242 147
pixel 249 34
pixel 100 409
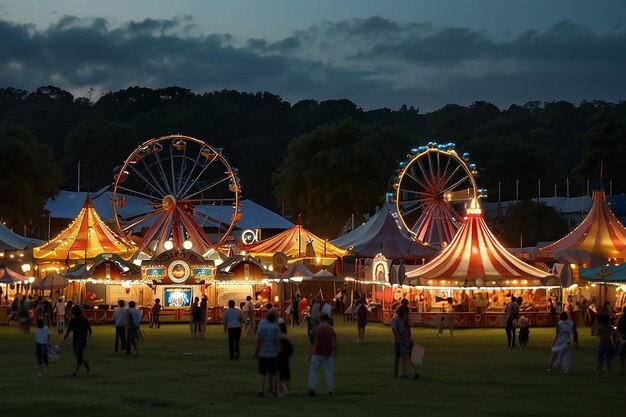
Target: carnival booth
pixel 609 284
pixel 241 276
pixel 474 277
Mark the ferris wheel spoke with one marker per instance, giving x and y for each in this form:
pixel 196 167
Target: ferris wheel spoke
pixel 188 186
pixel 203 201
pixel 413 208
pixel 208 187
pixel 450 177
pixel 162 173
pixel 205 217
pixel 136 193
pixel 424 186
pixel 182 172
pixel 154 229
pixel 139 219
pixel 172 170
pixel 427 177
pixel 405 190
pixel 418 200
pixel 453 187
pixel 152 184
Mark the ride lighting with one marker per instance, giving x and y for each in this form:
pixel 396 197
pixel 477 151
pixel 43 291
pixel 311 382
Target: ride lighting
pixel 25 268
pixel 187 244
pixel 168 245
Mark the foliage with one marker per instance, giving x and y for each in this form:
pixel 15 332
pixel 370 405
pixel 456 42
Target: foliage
pixel 28 176
pixel 337 170
pixel 551 141
pixel 532 222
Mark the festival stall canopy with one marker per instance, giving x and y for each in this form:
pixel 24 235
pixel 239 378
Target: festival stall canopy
pixel 10 240
pixel 51 282
pixel 381 234
pixel 605 273
pixel 8 276
pixel 475 258
pixel 295 242
pixel 600 233
pixel 85 238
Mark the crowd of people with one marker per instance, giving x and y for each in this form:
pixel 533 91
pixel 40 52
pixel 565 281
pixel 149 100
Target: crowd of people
pixel 274 347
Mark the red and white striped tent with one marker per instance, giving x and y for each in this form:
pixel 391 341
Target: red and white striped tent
pixel 600 233
pixel 475 258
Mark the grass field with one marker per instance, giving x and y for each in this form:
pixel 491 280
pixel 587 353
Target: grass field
pixel 470 374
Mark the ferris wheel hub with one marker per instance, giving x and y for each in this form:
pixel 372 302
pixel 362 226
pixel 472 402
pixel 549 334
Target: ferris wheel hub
pixel 169 203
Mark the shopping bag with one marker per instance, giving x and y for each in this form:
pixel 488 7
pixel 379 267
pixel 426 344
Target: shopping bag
pixel 417 354
pixel 54 353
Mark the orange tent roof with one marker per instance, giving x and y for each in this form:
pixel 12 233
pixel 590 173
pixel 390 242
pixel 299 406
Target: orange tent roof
pixel 86 237
pixel 599 233
pixel 296 242
pixel 475 255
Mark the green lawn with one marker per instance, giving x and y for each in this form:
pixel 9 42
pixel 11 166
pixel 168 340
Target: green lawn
pixel 470 374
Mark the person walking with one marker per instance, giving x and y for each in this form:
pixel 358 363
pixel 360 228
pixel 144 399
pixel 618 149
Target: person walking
pixel 120 319
pixel 59 313
pixel 81 329
pixel 204 315
pixel 249 317
pixel 42 340
pixel 561 344
pixel 155 319
pixel 621 340
pixel 266 352
pixel 24 314
pixel 132 329
pixel 322 354
pixel 512 312
pixel 232 326
pixel 606 346
pixel 286 350
pixel 403 344
pixel 361 320
pixel 196 317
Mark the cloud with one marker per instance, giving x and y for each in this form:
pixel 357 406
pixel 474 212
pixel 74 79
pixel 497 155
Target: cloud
pixel 375 62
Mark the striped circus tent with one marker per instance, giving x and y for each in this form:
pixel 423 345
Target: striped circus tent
pixel 600 233
pixel 296 242
pixel 475 258
pixel 85 238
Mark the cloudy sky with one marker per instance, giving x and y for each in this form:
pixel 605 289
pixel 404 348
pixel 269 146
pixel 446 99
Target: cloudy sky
pixel 377 53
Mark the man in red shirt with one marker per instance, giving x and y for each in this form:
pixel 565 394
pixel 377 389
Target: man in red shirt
pixel 323 353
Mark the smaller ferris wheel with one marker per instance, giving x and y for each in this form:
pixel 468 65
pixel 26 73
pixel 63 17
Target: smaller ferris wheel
pixel 431 189
pixel 189 193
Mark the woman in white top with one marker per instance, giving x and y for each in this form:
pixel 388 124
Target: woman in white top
pixel 59 311
pixel 561 344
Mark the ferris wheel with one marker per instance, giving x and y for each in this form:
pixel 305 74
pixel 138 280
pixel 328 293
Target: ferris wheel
pixel 431 190
pixel 190 194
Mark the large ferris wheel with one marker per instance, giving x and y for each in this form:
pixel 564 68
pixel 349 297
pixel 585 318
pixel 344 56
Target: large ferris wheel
pixel 192 193
pixel 431 190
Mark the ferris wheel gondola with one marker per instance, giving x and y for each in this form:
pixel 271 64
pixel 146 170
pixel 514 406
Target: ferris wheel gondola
pixel 192 193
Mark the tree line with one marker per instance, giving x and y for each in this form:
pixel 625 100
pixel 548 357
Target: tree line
pixel 325 160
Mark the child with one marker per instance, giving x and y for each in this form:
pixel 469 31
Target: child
pixel 441 325
pixel 284 373
pixel 42 337
pixel 156 314
pixel 523 332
